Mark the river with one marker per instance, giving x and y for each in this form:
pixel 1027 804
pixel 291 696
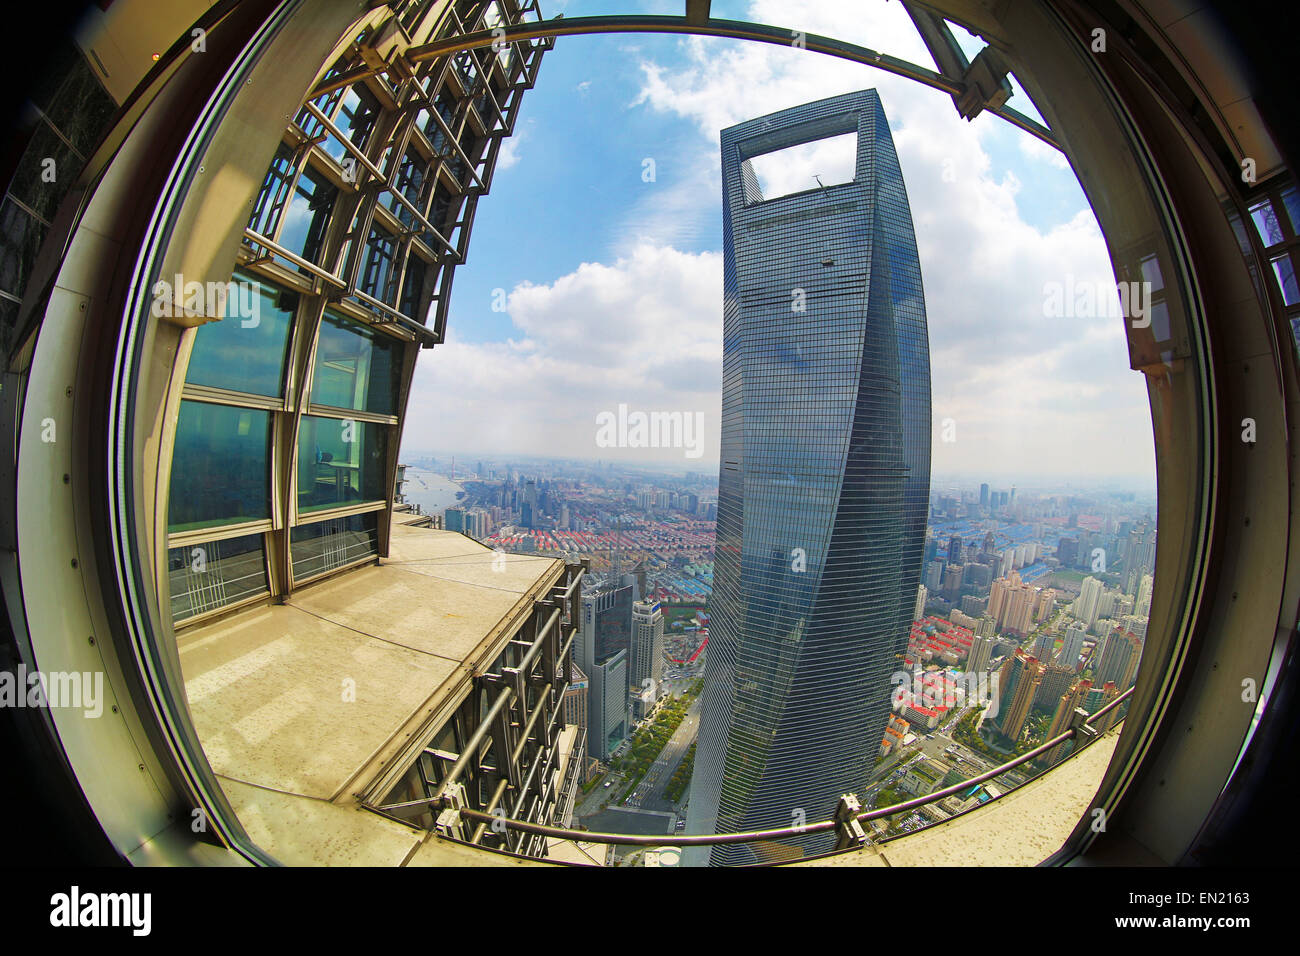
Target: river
pixel 431 491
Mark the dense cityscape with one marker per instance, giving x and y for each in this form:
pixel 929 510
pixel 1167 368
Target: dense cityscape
pixel 1034 602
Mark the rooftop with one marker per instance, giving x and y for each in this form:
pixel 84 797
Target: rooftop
pixel 304 707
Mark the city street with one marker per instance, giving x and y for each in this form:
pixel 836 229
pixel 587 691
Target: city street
pixel 661 771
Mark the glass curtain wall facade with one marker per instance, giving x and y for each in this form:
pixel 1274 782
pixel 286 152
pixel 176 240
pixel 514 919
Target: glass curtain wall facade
pixel 604 654
pixel 284 456
pixel 824 481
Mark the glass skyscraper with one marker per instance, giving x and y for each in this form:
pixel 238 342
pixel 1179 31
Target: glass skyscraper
pixel 604 654
pixel 824 481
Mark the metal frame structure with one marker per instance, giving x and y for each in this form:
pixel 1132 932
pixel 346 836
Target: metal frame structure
pixel 497 756
pixel 975 87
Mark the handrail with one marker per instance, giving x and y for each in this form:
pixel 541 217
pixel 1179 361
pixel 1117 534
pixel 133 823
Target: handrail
pixel 748 836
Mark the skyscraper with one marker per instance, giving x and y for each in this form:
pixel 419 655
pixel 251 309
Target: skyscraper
pixel 824 483
pixel 1019 681
pixel 604 654
pixel 1072 645
pixel 1087 605
pixel 981 649
pixel 647 652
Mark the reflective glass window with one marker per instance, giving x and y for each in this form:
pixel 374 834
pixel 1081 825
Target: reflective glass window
pixel 274 192
pixel 1284 269
pixel 1266 224
pixel 378 273
pixel 340 462
pixel 308 215
pixel 220 466
pixel 215 573
pixel 246 350
pixel 325 545
pixel 412 286
pixel 356 367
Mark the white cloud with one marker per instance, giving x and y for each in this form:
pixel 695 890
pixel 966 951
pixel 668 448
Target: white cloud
pixel 1029 393
pixel 509 154
pixel 1046 395
pixel 643 331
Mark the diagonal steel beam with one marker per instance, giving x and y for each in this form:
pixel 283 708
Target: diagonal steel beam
pixel 730 29
pixel 984 84
pixel 697 11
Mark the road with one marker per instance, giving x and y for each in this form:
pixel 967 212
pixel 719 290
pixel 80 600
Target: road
pixel 651 788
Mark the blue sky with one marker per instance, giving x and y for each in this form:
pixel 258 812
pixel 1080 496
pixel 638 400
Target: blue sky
pixel 613 284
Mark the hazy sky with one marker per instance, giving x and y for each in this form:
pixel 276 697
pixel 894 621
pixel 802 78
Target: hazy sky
pixel 611 284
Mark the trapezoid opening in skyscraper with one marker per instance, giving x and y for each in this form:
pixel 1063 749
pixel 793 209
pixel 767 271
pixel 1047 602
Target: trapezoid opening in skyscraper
pixel 823 486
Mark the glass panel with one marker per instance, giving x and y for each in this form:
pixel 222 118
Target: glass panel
pixel 340 462
pixel 309 212
pixel 355 121
pixel 411 180
pixel 439 214
pixel 380 251
pixel 326 545
pixel 412 286
pixel 245 351
pixel 215 573
pixel 1291 199
pixel 326 103
pixel 220 472
pixel 1151 273
pixel 445 104
pixel 1284 269
pixel 1270 230
pixel 275 189
pixel 356 367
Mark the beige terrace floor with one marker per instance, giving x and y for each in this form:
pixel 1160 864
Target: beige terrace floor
pixel 300 706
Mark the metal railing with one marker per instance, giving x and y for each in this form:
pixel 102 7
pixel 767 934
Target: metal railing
pixel 846 823
pixel 511 723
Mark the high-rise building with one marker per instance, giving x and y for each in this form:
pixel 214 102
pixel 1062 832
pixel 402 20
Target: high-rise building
pixel 1054 682
pixel 981 649
pixel 1143 605
pixel 952 582
pixel 1099 697
pixel 984 496
pixel 824 482
pixel 1072 645
pixel 647 652
pixel 453 519
pixel 1011 604
pixel 1087 604
pixel 1018 681
pixel 575 699
pixel 1118 659
pixel 604 654
pixel 1044 603
pixel 1061 719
